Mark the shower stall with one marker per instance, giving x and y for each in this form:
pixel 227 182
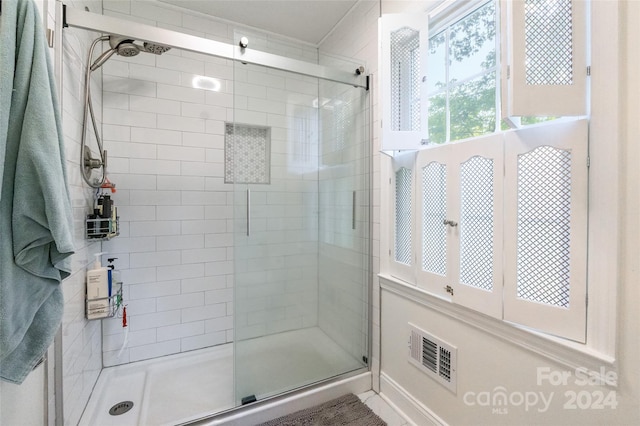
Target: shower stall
pixel 243 190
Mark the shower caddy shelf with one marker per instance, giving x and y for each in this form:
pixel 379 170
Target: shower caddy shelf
pixel 115 302
pixel 102 228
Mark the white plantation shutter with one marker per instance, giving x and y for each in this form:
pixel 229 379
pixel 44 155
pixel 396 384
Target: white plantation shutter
pixel 402 67
pixel 460 222
pixel 402 251
pixel 435 195
pixel 545 228
pixel 544 57
pixel 479 212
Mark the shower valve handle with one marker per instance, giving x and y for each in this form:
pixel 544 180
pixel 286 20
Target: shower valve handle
pixel 95 163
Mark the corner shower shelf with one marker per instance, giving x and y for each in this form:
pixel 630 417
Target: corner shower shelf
pixel 104 307
pixel 101 228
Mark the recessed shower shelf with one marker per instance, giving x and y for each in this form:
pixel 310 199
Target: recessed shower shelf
pixel 101 228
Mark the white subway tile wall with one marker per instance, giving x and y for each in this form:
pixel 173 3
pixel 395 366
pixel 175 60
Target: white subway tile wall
pixel 166 151
pixel 81 339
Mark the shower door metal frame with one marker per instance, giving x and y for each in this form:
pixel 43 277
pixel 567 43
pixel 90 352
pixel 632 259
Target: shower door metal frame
pixel 106 24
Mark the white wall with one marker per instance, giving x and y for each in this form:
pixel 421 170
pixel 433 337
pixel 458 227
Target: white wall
pixel 486 362
pixel 24 404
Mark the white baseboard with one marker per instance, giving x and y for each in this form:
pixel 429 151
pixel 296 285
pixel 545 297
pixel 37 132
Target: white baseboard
pixel 401 400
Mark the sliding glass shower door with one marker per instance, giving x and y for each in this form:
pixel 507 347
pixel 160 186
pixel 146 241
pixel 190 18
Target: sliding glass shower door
pixel 297 154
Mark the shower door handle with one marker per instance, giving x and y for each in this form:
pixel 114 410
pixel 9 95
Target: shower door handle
pixel 248 212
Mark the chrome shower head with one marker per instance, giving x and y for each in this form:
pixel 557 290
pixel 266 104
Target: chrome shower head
pixel 120 45
pixel 157 49
pixel 126 47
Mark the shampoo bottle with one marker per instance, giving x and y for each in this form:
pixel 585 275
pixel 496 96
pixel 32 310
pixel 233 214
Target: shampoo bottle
pixel 97 290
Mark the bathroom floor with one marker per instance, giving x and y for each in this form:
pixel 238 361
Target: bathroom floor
pixel 183 387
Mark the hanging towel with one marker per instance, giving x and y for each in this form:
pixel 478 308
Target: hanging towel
pixel 35 210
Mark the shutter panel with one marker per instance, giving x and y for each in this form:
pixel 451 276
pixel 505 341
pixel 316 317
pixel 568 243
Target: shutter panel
pixel 403 64
pixel 402 256
pixel 435 189
pixel 544 57
pixel 479 210
pixel 546 228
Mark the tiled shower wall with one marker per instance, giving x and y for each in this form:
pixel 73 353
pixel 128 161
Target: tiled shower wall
pixel 166 156
pixel 81 357
pixel 76 354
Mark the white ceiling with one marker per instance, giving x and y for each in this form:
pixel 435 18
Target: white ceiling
pixel 306 20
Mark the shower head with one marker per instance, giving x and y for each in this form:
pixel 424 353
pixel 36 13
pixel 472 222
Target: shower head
pixel 126 47
pixel 157 49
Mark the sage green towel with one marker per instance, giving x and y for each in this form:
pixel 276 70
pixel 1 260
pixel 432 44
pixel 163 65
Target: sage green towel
pixel 35 211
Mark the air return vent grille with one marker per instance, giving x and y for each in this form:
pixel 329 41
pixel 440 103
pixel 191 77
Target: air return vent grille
pixel 433 356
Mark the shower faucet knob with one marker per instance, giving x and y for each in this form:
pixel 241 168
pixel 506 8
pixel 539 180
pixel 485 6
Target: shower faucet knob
pixel 244 42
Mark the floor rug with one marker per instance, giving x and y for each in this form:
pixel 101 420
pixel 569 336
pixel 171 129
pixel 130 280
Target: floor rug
pixel 346 410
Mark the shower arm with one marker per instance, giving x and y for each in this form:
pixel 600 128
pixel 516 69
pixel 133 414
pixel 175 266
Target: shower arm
pixel 87 162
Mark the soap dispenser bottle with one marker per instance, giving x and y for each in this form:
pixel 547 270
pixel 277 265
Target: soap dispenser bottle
pixel 97 290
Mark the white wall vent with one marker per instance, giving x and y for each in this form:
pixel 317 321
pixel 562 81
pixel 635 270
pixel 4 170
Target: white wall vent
pixel 433 356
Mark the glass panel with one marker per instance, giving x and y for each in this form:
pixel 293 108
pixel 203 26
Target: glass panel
pixel 462 78
pixel 438 118
pixel 434 211
pixel 549 42
pixel 301 269
pixel 476 223
pixel 472 46
pixel 343 275
pixel 437 72
pixel 544 218
pixel 403 216
pixel 473 108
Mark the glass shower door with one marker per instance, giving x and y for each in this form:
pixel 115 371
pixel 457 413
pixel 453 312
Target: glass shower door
pixel 285 176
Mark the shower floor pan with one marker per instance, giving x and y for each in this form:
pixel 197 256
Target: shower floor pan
pixel 183 387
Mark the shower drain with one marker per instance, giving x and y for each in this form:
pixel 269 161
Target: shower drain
pixel 121 408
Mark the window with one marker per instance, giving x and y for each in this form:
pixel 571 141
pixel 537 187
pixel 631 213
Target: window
pixel 498 219
pixel 462 78
pixel 441 85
